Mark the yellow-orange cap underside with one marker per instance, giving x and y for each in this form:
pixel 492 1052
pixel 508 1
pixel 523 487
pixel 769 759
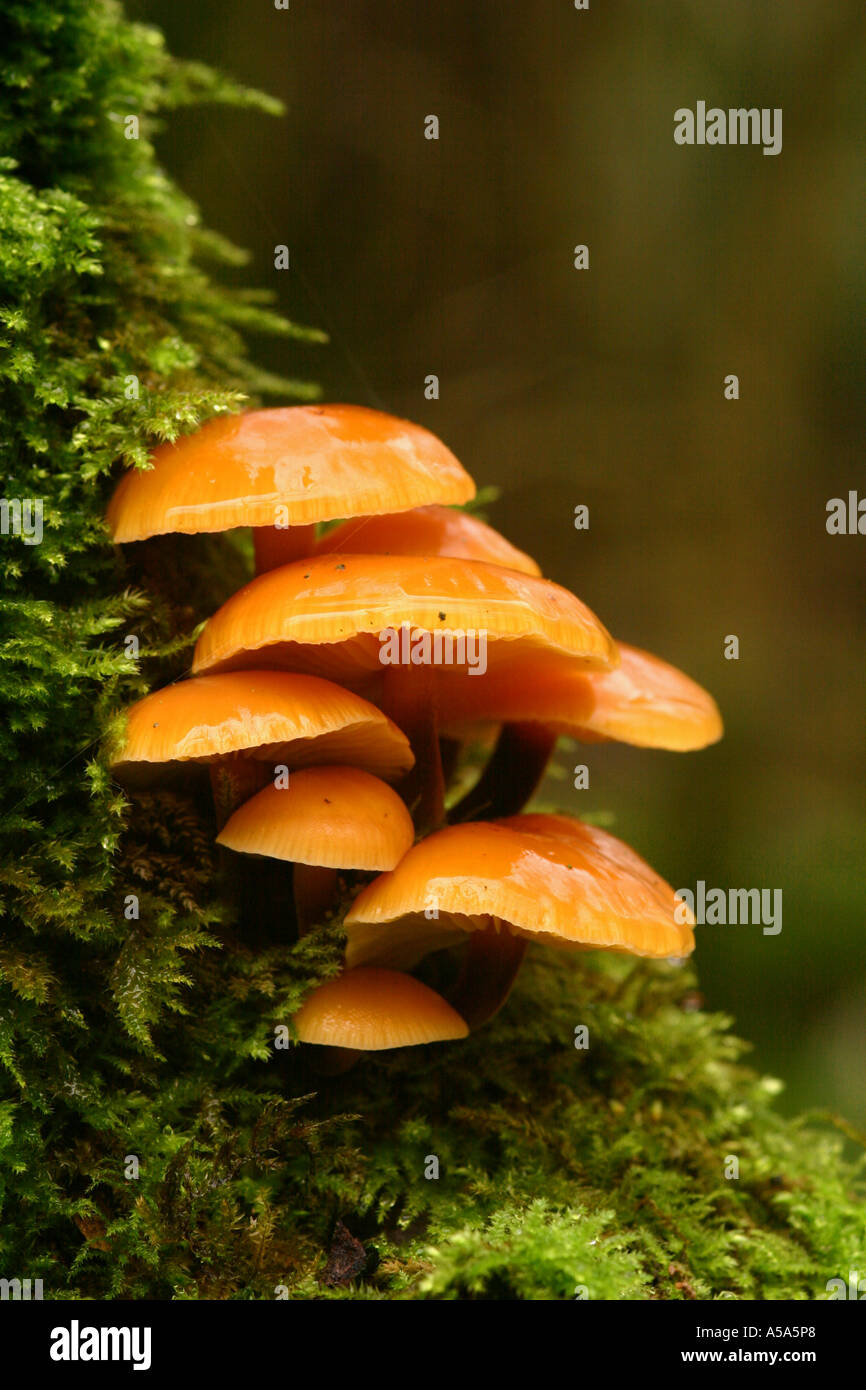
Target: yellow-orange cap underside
pixel 549 878
pixel 320 462
pixel 644 701
pixel 337 817
pixel 262 714
pixel 325 614
pixel 426 531
pixel 372 1010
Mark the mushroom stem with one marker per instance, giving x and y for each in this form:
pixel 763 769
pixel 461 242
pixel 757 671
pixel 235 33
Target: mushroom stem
pixel 265 902
pixel 315 889
pixel 274 545
pixel 260 884
pixel 409 698
pixel 334 1061
pixel 449 752
pixel 515 768
pixel 233 781
pixel 489 970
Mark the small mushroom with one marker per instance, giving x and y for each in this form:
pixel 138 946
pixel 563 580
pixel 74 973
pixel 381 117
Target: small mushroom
pixel 550 879
pixel 328 818
pixel 372 1010
pixel 241 724
pixel 430 530
pixel 282 470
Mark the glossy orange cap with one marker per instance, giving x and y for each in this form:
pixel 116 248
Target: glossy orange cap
pixel 425 531
pixel 550 878
pixel 319 462
pixel 327 613
pixel 371 1010
pixel 644 701
pixel 260 714
pixel 335 817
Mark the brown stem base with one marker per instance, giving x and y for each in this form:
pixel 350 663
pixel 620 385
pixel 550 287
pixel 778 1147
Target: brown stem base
pixel 409 698
pixel 490 968
pixel 262 886
pixel 333 1061
pixel 449 752
pixel 516 767
pixel 315 891
pixel 267 909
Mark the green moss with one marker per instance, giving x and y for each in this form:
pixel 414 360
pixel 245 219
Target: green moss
pixel 598 1173
pixel 560 1170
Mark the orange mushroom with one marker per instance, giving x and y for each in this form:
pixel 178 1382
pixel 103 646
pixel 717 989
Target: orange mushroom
pixel 243 723
pixel 425 531
pixel 550 879
pixel 643 701
pixel 348 617
pixel 281 471
pixel 430 530
pixel 327 818
pixel 431 614
pixel 370 1010
pixel 327 614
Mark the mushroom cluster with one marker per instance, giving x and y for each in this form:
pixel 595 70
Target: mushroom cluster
pixel 330 696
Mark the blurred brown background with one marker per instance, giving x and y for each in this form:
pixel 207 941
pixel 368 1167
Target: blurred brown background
pixel 605 386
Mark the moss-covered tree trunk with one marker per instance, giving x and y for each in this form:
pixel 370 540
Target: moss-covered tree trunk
pixel 154 1141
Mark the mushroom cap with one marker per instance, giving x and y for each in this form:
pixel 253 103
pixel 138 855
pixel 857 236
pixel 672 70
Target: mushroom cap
pixel 335 817
pixel 325 614
pixel 297 720
pixel 552 879
pixel 425 531
pixel 371 1010
pixel 321 462
pixel 644 701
